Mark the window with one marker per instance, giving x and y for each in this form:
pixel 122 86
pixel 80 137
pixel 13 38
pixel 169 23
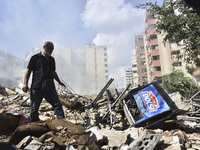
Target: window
pixel 152 26
pixel 151 74
pixel 105 59
pixel 141 47
pixel 176 64
pixel 144 70
pixel 153 36
pixel 140 39
pixel 134 65
pixel 135 71
pixel 142 55
pixel 106 65
pixel 157 57
pixel 106 71
pixel 154 47
pixel 174 54
pixel 151 17
pixel 177 52
pixel 143 62
pixel 105 54
pixel 144 78
pixel 158 68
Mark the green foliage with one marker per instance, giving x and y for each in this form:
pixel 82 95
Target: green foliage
pixel 190 69
pixel 177 82
pixel 180 24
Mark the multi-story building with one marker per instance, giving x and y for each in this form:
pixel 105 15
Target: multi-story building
pixel 152 47
pixel 141 59
pixel 160 58
pixel 96 67
pixel 128 76
pixel 135 71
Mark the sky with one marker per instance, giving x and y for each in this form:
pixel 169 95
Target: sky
pixel 25 24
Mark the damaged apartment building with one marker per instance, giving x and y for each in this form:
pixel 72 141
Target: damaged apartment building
pixel 153 58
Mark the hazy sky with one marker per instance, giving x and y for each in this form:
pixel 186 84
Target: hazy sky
pixel 72 24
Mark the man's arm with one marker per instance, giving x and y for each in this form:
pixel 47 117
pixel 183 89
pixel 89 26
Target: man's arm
pixel 55 75
pixel 26 78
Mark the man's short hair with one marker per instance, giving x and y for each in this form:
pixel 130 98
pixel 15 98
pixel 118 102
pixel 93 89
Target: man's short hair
pixel 48 43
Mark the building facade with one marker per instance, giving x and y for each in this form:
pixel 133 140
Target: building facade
pixel 128 76
pixel 152 47
pixel 141 59
pixel 134 70
pixel 96 67
pixel 161 59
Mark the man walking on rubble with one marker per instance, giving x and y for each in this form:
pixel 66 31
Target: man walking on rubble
pixel 43 67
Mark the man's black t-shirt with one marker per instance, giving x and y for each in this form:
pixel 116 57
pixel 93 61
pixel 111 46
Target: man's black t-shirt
pixel 42 69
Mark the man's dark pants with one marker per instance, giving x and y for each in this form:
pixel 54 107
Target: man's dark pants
pixel 51 97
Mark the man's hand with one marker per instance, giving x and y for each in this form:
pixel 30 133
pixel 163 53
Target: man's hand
pixel 57 79
pixel 26 78
pixel 62 84
pixel 25 88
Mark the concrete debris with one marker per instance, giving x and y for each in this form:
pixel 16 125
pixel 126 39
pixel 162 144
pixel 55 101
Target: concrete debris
pixel 23 143
pixel 33 145
pixel 146 141
pixel 109 120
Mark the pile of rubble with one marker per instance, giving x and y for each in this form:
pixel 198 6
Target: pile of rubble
pixel 104 122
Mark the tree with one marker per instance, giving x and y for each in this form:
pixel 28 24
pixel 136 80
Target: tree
pixel 190 69
pixel 179 23
pixel 177 82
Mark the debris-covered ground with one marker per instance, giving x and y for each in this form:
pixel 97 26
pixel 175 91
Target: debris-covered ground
pixel 104 121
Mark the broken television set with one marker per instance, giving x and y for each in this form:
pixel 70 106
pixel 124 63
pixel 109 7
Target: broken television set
pixel 147 104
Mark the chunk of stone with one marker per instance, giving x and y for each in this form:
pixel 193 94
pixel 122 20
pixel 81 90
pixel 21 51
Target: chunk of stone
pixel 44 118
pixel 145 141
pixel 33 145
pixel 10 92
pixel 59 127
pixel 115 138
pixel 24 142
pixel 51 146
